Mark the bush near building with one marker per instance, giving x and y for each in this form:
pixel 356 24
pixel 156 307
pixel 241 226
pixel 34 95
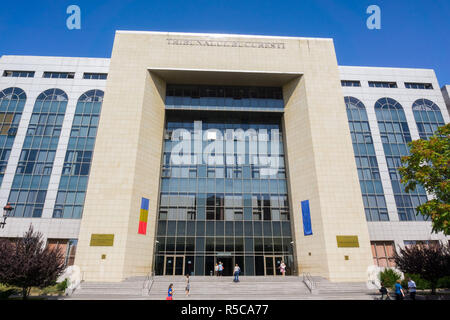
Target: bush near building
pixel 27 263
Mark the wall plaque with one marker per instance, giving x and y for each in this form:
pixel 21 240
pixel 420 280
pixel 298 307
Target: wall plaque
pixel 102 240
pixel 347 241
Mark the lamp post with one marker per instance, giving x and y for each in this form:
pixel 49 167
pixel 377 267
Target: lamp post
pixel 6 213
pixel 293 258
pixel 155 249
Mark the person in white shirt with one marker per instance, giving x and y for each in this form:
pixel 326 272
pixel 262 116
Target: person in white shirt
pixel 412 289
pixel 237 270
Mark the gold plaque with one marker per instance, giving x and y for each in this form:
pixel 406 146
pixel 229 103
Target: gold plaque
pixel 347 241
pixel 102 240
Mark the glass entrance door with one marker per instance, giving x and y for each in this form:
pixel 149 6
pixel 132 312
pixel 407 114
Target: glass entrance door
pixel 173 265
pixel 268 266
pixel 272 265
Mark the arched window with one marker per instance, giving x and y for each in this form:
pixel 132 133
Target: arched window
pixel 92 96
pixel 395 135
pixel 72 188
pixel 35 165
pixel 12 94
pixel 52 95
pixel 366 161
pixel 428 117
pixel 12 102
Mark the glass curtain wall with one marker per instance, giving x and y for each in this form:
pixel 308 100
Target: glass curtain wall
pixel 222 212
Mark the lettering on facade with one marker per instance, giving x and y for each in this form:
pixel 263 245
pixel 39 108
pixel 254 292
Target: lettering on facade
pixel 222 43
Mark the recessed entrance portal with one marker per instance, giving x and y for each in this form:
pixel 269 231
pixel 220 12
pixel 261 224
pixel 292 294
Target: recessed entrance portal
pixel 231 211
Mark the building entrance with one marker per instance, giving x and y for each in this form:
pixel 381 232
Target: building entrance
pixel 228 264
pixel 272 265
pixel 174 265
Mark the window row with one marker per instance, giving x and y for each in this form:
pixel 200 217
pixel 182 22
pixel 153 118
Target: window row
pixel 224 228
pixel 27 181
pixel 53 74
pixel 221 172
pixel 221 200
pixel 41 142
pixel 267 245
pixel 387 84
pixel 224 213
pixel 224 185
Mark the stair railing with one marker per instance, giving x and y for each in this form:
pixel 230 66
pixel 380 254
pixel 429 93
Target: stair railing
pixel 309 282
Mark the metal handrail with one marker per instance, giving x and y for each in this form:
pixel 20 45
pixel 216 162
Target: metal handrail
pixel 148 282
pixel 309 282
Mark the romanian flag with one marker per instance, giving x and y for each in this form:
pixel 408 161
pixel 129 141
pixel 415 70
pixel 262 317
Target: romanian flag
pixel 143 216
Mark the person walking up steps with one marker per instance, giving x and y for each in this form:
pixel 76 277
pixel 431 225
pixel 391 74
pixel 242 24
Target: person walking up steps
pixel 188 286
pixel 216 270
pixel 220 269
pixel 237 270
pixel 170 292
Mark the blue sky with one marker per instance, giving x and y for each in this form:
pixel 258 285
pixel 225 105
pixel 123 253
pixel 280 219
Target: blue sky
pixel 413 33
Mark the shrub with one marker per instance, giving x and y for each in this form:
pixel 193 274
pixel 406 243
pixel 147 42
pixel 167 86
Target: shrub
pixel 388 277
pixel 6 293
pixel 444 282
pixel 62 286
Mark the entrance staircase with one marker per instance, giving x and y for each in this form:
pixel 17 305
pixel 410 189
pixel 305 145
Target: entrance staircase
pixel 223 288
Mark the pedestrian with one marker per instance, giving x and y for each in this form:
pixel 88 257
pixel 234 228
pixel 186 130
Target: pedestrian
pixel 170 292
pixel 282 268
pixel 220 269
pixel 237 270
pixel 216 270
pixel 383 292
pixel 399 291
pixel 412 289
pixel 188 285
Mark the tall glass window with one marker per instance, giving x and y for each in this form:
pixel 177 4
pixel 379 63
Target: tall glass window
pixel 233 213
pixel 33 172
pixel 395 135
pixel 72 187
pixel 12 102
pixel 428 117
pixel 366 161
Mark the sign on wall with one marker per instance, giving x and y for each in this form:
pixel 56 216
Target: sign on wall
pixel 347 241
pixel 102 240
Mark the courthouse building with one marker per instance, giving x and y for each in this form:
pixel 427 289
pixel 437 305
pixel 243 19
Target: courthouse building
pixel 183 150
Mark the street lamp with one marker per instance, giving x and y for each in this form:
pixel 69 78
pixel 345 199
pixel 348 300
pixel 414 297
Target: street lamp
pixel 155 249
pixel 6 213
pixel 293 257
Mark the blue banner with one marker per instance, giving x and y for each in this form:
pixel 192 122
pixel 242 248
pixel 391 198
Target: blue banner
pixel 307 230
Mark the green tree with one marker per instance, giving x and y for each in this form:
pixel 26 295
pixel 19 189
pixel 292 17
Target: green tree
pixel 429 165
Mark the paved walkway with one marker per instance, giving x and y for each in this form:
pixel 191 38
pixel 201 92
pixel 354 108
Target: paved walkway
pixel 223 288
